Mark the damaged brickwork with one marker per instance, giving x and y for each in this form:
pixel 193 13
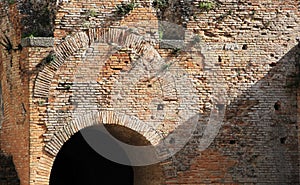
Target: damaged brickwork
pixel 98 60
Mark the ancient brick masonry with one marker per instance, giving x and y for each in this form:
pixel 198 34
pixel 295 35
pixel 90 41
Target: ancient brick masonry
pixel 246 64
pixel 14 87
pixel 8 174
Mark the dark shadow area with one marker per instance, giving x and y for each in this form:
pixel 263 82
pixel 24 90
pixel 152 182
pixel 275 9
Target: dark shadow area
pixel 77 164
pixel 37 17
pixel 8 173
pixel 259 134
pixel 143 175
pixel 260 130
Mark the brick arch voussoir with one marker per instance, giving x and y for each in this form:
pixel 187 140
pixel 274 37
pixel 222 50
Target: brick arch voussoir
pixel 64 50
pixel 96 118
pixel 118 36
pixel 102 117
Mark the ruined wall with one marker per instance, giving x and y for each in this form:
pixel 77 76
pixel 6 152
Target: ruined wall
pixel 250 47
pixel 255 45
pixel 248 50
pixel 8 174
pixel 14 132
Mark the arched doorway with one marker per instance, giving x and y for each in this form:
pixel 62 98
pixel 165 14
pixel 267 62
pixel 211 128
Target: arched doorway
pixel 77 163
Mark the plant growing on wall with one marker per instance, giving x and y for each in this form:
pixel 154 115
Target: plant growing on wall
pixel 206 6
pixel 86 25
pixel 38 18
pixel 41 103
pixel 125 8
pixel 159 4
pixel 173 16
pixel 50 58
pixel 91 13
pixel 10 2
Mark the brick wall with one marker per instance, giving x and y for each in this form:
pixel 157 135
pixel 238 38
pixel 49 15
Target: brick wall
pixel 248 49
pixel 14 137
pixel 8 174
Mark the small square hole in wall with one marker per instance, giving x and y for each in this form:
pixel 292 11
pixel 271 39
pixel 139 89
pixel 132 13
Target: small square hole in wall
pixel 283 140
pixel 232 142
pixel 245 47
pixel 160 107
pixel 277 105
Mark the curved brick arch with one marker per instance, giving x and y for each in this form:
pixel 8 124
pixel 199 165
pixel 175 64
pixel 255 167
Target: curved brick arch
pixel 118 36
pixel 101 117
pixel 82 40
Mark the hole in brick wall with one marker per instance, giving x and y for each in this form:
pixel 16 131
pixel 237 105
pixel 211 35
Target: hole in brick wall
pixel 277 105
pixel 283 140
pixel 273 64
pixel 160 107
pixel 232 142
pixel 245 47
pixel 272 55
pixel 219 58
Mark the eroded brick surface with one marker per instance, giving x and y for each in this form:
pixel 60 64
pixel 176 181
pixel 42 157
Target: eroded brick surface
pixel 246 62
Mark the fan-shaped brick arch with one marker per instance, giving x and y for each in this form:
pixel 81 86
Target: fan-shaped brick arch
pixel 119 36
pixel 101 117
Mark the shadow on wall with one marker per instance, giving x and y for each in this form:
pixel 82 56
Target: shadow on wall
pixel 259 134
pixel 38 18
pixel 78 163
pixel 8 173
pixel 260 126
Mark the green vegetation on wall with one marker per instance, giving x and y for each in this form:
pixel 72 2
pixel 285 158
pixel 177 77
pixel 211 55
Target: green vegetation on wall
pixel 160 4
pixel 11 2
pixel 38 18
pixel 50 58
pixel 206 6
pixel 125 8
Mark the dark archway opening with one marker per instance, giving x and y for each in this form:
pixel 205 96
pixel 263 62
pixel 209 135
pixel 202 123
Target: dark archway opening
pixel 77 164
